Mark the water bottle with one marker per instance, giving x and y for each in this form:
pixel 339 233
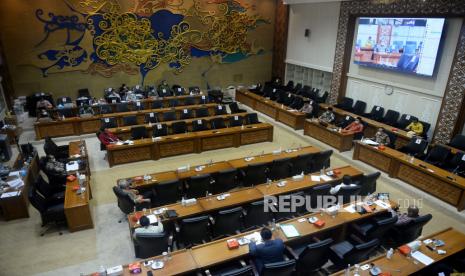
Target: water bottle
pixel 389 253
pixel 169 253
pixel 347 271
pixel 273 225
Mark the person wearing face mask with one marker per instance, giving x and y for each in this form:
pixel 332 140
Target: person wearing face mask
pixel 354 127
pixel 381 137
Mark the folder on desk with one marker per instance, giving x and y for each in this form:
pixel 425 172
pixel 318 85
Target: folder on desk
pixel 290 231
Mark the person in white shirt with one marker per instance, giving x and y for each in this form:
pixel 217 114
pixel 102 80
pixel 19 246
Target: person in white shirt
pixel 346 182
pixel 148 228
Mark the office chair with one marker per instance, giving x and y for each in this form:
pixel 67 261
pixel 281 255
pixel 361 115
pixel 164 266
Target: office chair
pixel 109 122
pixel 415 147
pixel 375 228
pixel 235 108
pixel 456 164
pixel 82 102
pixel 288 99
pixel 322 160
pixel 368 183
pixel 178 90
pixel 113 99
pixel 190 101
pixel 235 121
pixel 345 104
pixel 254 174
pixel 359 107
pixel 297 87
pixel 186 114
pixel 53 193
pixel 274 95
pixel 105 109
pixel 426 127
pixel 376 113
pixel 50 148
pixel 220 110
pixel 122 107
pixel 223 181
pixel 197 186
pixel 159 130
pixel 290 85
pixel 280 169
pixel 217 123
pixel 151 117
pixel 130 120
pixel 348 193
pixel 49 212
pixel 351 252
pixel 297 103
pixel 402 234
pixel 179 127
pixel 194 89
pixel 66 112
pixel 302 163
pixel 284 268
pixel 317 193
pixel 174 103
pixel 344 122
pixel 391 118
pixel 126 204
pixel 84 92
pixel 251 118
pixel 405 120
pixel 169 116
pixel 147 245
pixel 157 104
pixel 293 211
pixel 167 192
pixel 164 93
pixel 458 142
pixel 247 270
pixel 437 155
pixel 313 93
pixel 255 216
pixel 64 100
pixel 139 132
pixel 392 139
pixel 323 97
pixel 199 125
pixel 137 106
pixel 193 231
pixel 202 112
pixel 311 257
pixel 227 222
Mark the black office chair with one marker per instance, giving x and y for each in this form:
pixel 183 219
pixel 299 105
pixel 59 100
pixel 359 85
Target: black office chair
pixel 64 100
pixel 322 98
pixel 458 142
pixel 113 99
pixel 202 112
pixel 235 108
pixel 174 103
pixel 281 97
pixel 164 93
pixel 217 123
pixel 66 112
pixel 197 185
pixel 60 152
pixel 297 103
pixel 405 120
pixel 284 268
pixel 322 160
pixel 348 193
pixel 235 121
pixel 303 163
pixel 169 116
pixel 109 122
pixel 349 252
pixel 347 120
pixel 139 132
pixel 426 127
pixel 415 147
pixel 345 104
pixel 130 120
pixel 157 104
pixel 186 114
pixel 254 174
pixel 391 118
pixel 126 204
pixel 224 181
pixel 190 101
pixel 122 107
pixel 138 105
pixel 83 92
pixel 151 117
pixel 53 193
pixel 231 268
pixel 368 183
pixel 312 257
pixel 50 212
pixel 359 107
pixel 167 192
pixel 280 169
pixel 159 130
pixel 392 139
pixel 375 228
pixel 376 113
pixel 288 99
pixel 178 90
pixel 290 85
pixel 193 231
pixel 220 110
pixel 151 244
pixel 297 87
pixel 402 234
pixel 255 216
pixel 82 102
pixel 317 194
pixel 437 155
pixel 199 125
pixel 227 222
pixel 105 109
pixel 456 164
pixel 251 118
pixel 179 127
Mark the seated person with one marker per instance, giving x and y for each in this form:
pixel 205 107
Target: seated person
pixel 133 193
pixel 307 109
pixel 327 116
pixel 107 137
pixel 415 127
pixel 53 166
pixel 164 85
pixel 381 137
pixel 354 127
pixel 405 218
pixel 86 111
pixel 43 104
pixel 270 251
pixel 346 182
pixel 152 93
pixel 148 228
pixel 130 96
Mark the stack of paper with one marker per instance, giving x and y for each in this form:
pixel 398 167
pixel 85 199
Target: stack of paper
pixel 15 183
pixel 325 177
pixel 72 166
pixel 289 230
pixel 315 178
pixel 422 258
pixel 10 194
pixel 255 236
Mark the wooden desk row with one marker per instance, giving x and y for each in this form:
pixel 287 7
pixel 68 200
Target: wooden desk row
pixel 279 112
pixel 124 133
pixel 400 264
pixel 328 135
pixel 78 125
pixel 192 142
pixel 215 167
pixel 436 181
pixel 247 195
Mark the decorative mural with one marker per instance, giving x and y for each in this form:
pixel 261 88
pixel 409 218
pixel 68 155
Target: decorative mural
pixel 147 35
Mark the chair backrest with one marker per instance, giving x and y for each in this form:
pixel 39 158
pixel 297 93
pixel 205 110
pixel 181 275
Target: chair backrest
pixel 37 200
pixel 323 98
pixel 217 123
pixel 347 192
pixel 202 112
pixel 382 226
pixel 284 268
pixel 303 163
pixel 83 92
pixel 130 120
pixel 220 110
pixel 361 252
pixel 66 112
pixel 164 92
pixel 106 109
pixel 314 256
pixel 113 99
pixel 255 174
pixel 236 120
pixel 256 216
pixel 195 230
pixel 359 107
pixel 392 139
pixel 438 154
pixel 377 113
pixel 225 180
pixel 159 130
pixel 64 100
pixel 179 127
pixel 405 120
pixel 243 271
pixel 151 244
pixel 251 118
pixel 391 117
pixel 199 125
pixel 412 230
pixel 322 160
pixel 280 169
pixel 139 132
pixel 156 104
pixel 426 127
pixel 178 90
pixel 458 142
pixel 109 122
pixel 43 187
pixel 346 103
pixel 174 102
pixel 347 120
pixel 125 204
pixel 368 183
pixel 228 222
pixel 197 185
pixel 186 114
pixel 169 116
pixel 81 102
pixel 122 107
pixel 316 195
pixel 50 148
pixel 417 145
pixel 234 107
pixel 151 117
pixel 190 101
pixel 167 192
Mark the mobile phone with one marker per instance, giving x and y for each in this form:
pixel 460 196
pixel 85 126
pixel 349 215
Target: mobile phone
pixel 149 273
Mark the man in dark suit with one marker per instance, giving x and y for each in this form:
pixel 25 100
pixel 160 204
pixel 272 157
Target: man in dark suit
pixel 270 251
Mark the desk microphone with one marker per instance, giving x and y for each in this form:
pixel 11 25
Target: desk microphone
pixel 423 166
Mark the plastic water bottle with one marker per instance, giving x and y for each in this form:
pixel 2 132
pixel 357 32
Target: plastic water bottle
pixel 389 253
pixel 273 225
pixel 169 253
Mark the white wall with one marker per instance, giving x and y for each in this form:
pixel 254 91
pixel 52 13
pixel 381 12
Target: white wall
pixel 317 51
pixel 418 96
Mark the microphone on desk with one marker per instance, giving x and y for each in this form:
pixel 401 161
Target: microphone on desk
pixel 423 166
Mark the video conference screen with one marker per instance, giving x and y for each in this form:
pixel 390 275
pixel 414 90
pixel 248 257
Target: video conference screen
pixel 408 45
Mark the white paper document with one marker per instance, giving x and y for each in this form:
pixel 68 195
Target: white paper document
pixel 289 230
pixel 9 194
pixel 152 218
pixel 15 183
pixel 325 177
pixel 383 204
pixel 422 258
pixel 315 178
pixel 255 236
pixel 370 142
pixel 74 166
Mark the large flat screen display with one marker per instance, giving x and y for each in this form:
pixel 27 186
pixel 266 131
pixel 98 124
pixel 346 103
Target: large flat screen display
pixel 408 45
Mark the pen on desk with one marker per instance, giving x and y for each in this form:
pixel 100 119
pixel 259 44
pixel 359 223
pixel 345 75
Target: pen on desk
pixel 430 248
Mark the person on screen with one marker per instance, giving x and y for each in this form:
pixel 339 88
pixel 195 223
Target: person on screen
pixel 416 127
pixel 409 62
pixel 369 43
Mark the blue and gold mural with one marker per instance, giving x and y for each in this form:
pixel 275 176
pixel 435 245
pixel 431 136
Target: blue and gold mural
pixel 138 39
